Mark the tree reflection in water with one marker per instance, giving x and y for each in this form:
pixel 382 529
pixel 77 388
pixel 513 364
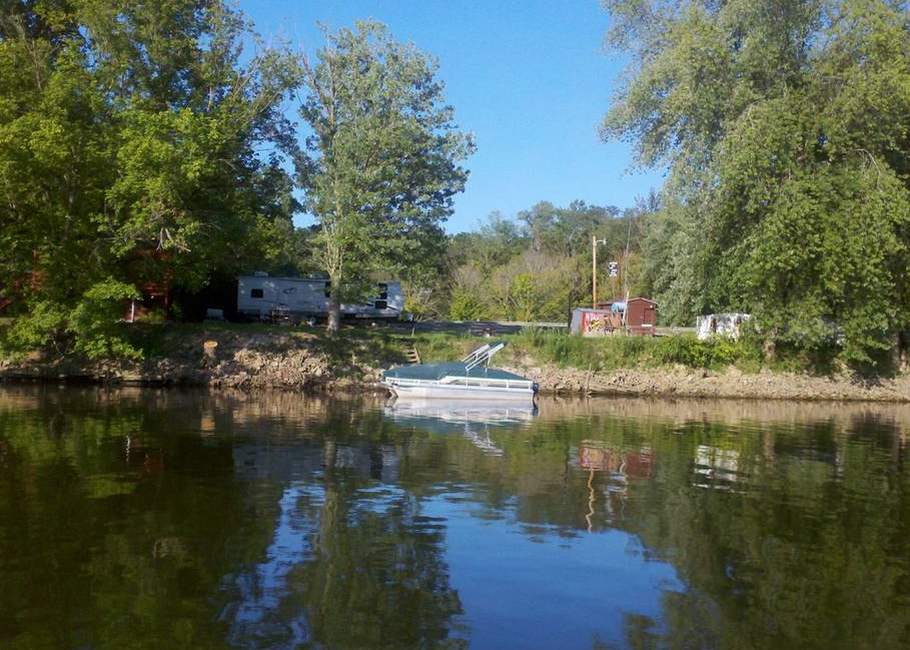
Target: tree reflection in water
pixel 172 518
pixel 353 562
pixel 256 614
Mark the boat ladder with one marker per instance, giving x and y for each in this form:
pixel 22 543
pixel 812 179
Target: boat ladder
pixel 482 355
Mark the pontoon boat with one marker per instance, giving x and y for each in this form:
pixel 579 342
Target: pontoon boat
pixel 472 378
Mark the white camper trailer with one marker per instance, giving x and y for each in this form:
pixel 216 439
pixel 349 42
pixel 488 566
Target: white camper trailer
pixel 725 324
pixel 260 296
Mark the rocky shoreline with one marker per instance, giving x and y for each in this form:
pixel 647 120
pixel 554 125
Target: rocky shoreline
pixel 731 383
pixel 288 362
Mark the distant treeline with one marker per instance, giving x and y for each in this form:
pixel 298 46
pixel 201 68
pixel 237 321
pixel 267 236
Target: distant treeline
pixel 538 266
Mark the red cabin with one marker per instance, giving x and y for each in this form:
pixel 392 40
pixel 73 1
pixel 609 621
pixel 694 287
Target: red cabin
pixel 640 317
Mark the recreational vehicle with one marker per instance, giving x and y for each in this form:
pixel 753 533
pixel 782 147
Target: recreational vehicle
pixel 261 296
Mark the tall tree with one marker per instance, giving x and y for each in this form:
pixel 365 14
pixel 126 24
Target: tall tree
pixel 130 139
pixel 784 124
pixel 381 165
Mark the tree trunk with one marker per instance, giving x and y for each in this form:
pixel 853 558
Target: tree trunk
pixel 897 352
pixel 334 322
pixel 904 344
pixel 770 350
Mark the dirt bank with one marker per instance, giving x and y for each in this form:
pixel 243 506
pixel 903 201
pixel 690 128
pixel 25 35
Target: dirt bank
pixel 219 360
pixel 731 383
pixel 298 361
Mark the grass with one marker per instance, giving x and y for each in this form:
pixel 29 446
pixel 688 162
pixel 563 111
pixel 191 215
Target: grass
pixel 385 346
pixel 615 352
pixel 356 344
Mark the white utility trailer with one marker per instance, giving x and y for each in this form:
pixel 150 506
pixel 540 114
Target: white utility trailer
pixel 262 296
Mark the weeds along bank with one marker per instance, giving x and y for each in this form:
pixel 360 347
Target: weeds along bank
pixel 615 352
pixel 263 356
pixel 686 367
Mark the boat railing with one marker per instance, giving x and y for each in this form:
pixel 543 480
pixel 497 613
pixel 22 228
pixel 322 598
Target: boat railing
pixel 476 353
pixel 482 355
pixel 454 380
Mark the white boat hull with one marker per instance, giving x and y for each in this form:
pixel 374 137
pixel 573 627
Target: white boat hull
pixel 462 411
pixel 449 391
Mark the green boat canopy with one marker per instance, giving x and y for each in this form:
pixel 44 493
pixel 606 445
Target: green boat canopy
pixel 436 371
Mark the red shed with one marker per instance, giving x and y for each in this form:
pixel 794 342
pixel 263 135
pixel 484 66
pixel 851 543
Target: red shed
pixel 641 316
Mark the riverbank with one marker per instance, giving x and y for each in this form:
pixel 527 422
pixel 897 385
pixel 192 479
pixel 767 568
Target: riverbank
pixel 679 381
pixel 261 357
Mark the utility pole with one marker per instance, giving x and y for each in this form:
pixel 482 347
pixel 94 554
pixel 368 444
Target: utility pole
pixel 593 272
pixel 594 242
pixel 625 272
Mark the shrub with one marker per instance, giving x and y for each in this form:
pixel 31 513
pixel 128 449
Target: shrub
pixel 716 352
pixel 610 352
pixel 685 350
pixel 95 321
pixel 596 353
pixel 465 306
pixel 91 328
pixel 42 327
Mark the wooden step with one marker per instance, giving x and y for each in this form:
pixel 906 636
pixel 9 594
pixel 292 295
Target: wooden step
pixel 412 355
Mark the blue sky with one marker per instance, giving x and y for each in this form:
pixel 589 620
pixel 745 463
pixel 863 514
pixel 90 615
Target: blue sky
pixel 530 79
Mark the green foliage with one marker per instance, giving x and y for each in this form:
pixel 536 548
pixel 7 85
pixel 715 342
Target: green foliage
pixel 538 267
pixel 523 296
pixel 669 252
pixel 465 305
pixel 614 352
pixel 94 321
pixel 494 243
pixel 419 303
pixel 129 140
pixel 91 328
pixel 41 327
pixel 717 352
pixel 787 140
pixel 534 286
pixel 590 353
pixel 381 169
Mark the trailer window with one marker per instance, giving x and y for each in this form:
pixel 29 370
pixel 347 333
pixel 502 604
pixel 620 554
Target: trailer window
pixel 381 304
pixel 256 293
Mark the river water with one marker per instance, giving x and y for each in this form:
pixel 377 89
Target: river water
pixel 165 519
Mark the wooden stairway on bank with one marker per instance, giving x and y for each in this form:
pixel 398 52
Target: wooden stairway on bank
pixel 412 355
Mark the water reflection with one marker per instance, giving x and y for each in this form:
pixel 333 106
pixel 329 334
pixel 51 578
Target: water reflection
pixel 473 419
pixel 148 518
pixel 432 413
pixel 254 613
pixel 618 467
